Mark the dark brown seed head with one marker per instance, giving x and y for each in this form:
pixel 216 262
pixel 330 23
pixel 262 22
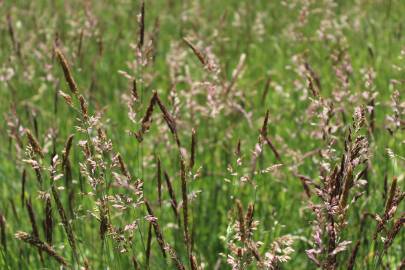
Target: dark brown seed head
pixel 66 151
pixel 171 194
pixel 391 195
pixel 263 131
pixel 23 181
pixel 31 215
pixel 148 245
pixel 185 204
pixel 193 148
pixel 66 71
pixel 48 224
pixel 83 107
pixel 134 90
pixel 196 51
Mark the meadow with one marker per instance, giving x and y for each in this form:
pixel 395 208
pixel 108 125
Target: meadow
pixel 202 134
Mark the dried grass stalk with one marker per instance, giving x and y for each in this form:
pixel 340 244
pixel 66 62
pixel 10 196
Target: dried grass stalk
pixel 156 227
pixel 172 195
pixel 34 241
pixel 196 51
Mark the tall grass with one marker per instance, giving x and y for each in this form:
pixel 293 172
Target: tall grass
pixel 202 135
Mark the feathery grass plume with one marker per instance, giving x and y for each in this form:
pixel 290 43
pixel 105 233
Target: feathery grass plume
pixel 148 245
pixel 172 195
pixel 142 26
pixel 66 71
pixel 34 241
pixel 241 220
pixel 159 181
pixel 3 239
pixel 156 227
pixel 146 120
pixel 83 108
pixel 196 51
pixel 353 256
pixel 266 89
pixel 65 221
pixel 34 143
pixel 48 222
pixel 66 151
pixel 193 148
pixel 23 181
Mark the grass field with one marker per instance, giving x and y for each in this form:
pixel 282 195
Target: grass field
pixel 202 134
